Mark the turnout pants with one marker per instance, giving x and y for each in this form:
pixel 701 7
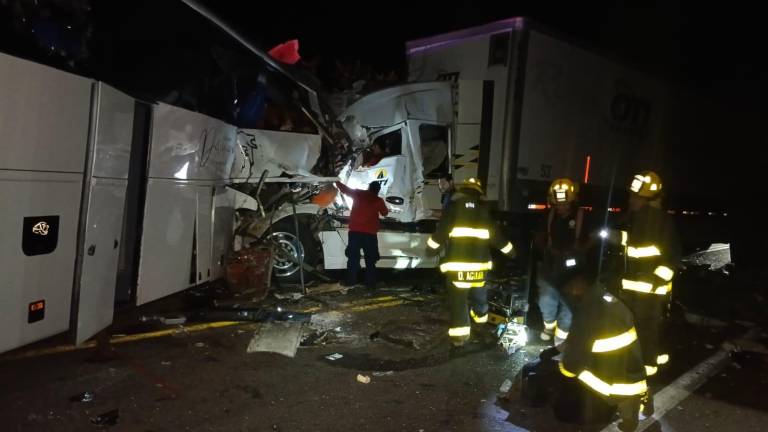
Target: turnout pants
pixel 465 306
pixel 648 310
pixel 576 403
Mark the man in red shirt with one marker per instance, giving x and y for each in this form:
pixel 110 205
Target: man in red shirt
pixel 363 226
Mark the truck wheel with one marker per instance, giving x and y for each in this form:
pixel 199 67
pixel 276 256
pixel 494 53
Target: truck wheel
pixel 289 247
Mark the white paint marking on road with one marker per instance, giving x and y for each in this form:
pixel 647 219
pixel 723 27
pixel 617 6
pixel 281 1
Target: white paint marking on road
pixel 681 388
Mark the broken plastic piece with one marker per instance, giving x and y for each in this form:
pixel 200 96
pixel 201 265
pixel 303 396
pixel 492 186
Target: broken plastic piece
pixel 82 397
pixel 505 386
pixel 315 338
pixel 364 379
pixel 178 320
pixel 287 52
pixel 254 315
pixel 291 296
pixel 334 356
pixel 109 418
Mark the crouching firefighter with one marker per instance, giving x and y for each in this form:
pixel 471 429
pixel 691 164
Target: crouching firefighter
pixel 467 232
pixel 562 247
pixel 602 359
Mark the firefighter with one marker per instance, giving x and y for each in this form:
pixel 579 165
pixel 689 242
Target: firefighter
pixel 602 359
pixel 562 247
pixel 651 253
pixel 467 231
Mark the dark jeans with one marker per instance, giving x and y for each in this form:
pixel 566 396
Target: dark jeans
pixel 369 243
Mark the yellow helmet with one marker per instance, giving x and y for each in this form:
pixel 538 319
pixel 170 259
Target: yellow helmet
pixel 472 183
pixel 647 184
pixel 563 191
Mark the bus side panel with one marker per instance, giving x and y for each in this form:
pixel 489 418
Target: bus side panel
pixel 190 155
pixel 44 124
pixel 38 236
pixel 167 243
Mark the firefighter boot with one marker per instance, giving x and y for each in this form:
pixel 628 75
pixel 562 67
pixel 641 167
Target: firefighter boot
pixel 628 413
pixel 647 408
pixel 459 341
pixel 549 331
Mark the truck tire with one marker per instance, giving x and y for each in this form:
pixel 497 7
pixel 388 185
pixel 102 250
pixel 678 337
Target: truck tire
pixel 285 269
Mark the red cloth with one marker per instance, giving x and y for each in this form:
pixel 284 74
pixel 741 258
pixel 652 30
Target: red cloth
pixel 287 52
pixel 366 208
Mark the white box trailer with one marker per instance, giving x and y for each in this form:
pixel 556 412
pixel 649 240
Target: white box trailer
pixel 107 198
pixel 558 110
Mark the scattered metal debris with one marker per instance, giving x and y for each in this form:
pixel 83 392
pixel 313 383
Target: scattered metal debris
pixel 109 418
pixel 334 357
pixel 315 338
pixel 381 374
pixel 254 315
pixel 511 337
pixel 177 320
pixel 328 288
pixel 289 296
pixel 82 397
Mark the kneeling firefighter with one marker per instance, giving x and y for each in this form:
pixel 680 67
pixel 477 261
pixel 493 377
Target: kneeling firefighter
pixel 601 369
pixel 467 232
pixel 602 355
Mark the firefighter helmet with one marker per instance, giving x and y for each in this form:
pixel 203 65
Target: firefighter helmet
pixel 471 183
pixel 646 184
pixel 563 191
